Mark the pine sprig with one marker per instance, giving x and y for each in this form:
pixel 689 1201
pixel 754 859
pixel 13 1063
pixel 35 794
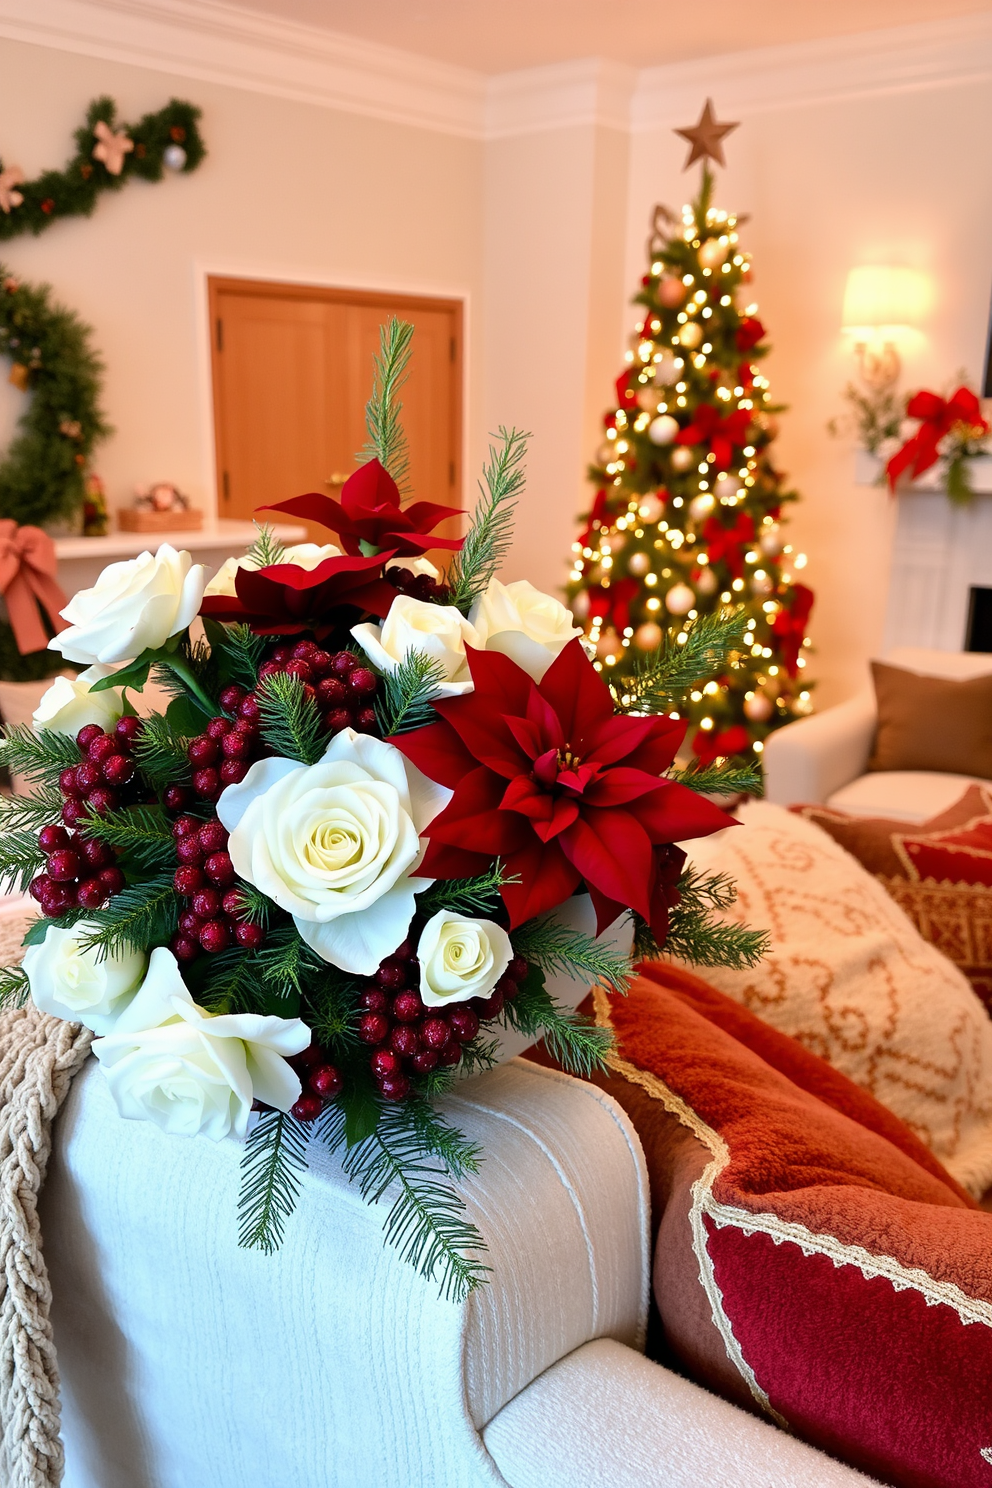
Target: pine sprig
pixel 291 722
pixel 467 896
pixel 30 813
pixel 426 1221
pixel 37 754
pixel 232 982
pixel 143 915
pixel 20 860
pixel 142 832
pixel 577 1045
pixel 720 780
pixel 488 539
pixel 287 962
pixel 662 681
pixel 558 948
pixel 237 650
pixel 266 549
pixel 161 753
pixel 405 697
pixel 253 905
pixel 387 440
pixel 694 935
pixel 272 1168
pixel 14 987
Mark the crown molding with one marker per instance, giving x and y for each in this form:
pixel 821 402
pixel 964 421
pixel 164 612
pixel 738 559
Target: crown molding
pixel 591 91
pixel 902 59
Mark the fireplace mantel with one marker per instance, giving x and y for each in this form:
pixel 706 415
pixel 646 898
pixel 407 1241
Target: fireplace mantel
pixel 939 551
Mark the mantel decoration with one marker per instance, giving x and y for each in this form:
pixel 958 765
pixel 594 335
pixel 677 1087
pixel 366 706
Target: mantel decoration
pixel 384 814
pixel 950 430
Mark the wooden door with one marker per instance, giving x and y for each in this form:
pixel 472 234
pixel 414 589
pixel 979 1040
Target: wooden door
pixel 292 370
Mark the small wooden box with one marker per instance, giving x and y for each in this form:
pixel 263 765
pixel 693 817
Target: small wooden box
pixel 130 519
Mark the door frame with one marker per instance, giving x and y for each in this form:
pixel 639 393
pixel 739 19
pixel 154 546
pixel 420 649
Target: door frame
pixel 206 270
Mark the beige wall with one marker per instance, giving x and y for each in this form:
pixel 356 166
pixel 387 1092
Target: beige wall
pixel 289 190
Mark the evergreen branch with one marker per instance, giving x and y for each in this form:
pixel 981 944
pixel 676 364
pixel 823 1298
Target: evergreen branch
pixel 14 987
pixel 405 697
pixel 37 754
pixel 266 549
pixel 426 1221
pixel 291 721
pixel 20 860
pixel 143 916
pixel 161 753
pixel 578 1045
pixel 694 935
pixel 661 683
pixel 30 813
pixel 467 896
pixel 238 651
pixel 140 831
pixel 253 905
pixel 720 780
pixel 39 928
pixel 488 539
pixel 452 1147
pixel 285 960
pixel 387 441
pixel 233 982
pixel 558 948
pixel 272 1168
pixel 479 1055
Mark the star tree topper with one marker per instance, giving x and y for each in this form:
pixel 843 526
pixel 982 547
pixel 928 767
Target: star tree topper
pixel 706 137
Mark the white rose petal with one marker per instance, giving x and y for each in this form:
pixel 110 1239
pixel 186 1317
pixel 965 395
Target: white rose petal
pixel 416 566
pixel 336 844
pixel 460 958
pixel 72 983
pixel 133 606
pixel 69 705
pixel 519 621
pixel 171 1062
pixel 438 631
pixel 303 555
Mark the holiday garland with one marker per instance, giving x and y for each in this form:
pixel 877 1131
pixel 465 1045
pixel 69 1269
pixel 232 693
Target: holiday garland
pixel 108 154
pixel 346 858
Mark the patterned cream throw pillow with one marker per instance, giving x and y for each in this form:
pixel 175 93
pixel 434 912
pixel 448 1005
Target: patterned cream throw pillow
pixel 851 978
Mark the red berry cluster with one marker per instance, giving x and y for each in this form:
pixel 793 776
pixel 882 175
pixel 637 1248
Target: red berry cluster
pixel 409 1038
pixel 320 1080
pixel 106 775
pixel 228 746
pixel 343 689
pixel 80 872
pixel 214 917
pixel 418 586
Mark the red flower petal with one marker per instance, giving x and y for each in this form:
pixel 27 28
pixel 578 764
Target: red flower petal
pixel 472 818
pixel 618 786
pixel 437 752
pixel 442 861
pixel 674 813
pixel 612 850
pixel 576 692
pixel 546 877
pixel 548 815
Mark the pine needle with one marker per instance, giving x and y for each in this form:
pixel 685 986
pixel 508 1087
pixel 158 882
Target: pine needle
pixel 238 651
pixel 488 539
pixel 291 722
pixel 695 935
pixel 720 780
pixel 161 753
pixel 140 832
pixel 14 988
pixel 37 754
pixel 30 813
pixel 143 916
pixel 405 696
pixel 272 1168
pixel 467 896
pixel 662 681
pixel 387 440
pixel 578 1045
pixel 20 860
pixel 266 549
pixel 559 949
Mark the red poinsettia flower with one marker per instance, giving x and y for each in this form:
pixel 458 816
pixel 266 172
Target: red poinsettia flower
pixel 285 599
pixel 565 791
pixel 369 519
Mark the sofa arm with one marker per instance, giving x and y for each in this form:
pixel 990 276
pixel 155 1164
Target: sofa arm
pixel 186 1361
pixel 606 1415
pixel 810 759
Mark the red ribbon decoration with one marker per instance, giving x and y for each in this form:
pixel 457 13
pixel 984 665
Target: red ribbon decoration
pixel 27 580
pixel 626 397
pixel 727 544
pixel 939 416
pixel 599 511
pixel 708 746
pixel 720 432
pixel 790 626
pixel 613 603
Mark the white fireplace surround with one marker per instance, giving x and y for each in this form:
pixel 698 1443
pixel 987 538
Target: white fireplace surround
pixel 939 552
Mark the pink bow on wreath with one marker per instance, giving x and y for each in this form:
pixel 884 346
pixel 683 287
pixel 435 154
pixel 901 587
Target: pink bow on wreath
pixel 27 581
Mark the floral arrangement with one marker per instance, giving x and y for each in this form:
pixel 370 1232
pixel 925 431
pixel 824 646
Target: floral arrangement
pixel 950 430
pixel 386 813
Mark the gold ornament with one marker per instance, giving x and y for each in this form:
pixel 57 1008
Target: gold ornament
pixel 639 564
pixel 700 507
pixel 682 457
pixel 713 252
pixel 663 430
pixel 758 707
pixel 648 637
pixel 648 399
pixel 706 137
pixel 706 583
pixel 651 508
pixel 691 334
pixel 10 178
pixel 19 376
pixel 727 487
pixel 667 370
pixel 671 292
pixel 111 148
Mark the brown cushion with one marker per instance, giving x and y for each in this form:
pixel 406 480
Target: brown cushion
pixel 932 723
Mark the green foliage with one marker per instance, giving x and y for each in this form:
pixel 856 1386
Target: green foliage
pixel 875 415
pixel 135 674
pixel 29 813
pixel 41 479
pixel 387 440
pixel 694 935
pixel 14 988
pixel 40 756
pixel 467 896
pixel 426 1221
pixel 141 916
pixel 254 905
pixel 662 681
pixel 558 948
pixel 291 722
pixel 272 1168
pixel 488 539
pixel 141 833
pixel 405 698
pixel 266 549
pixel 720 780
pixel 32 667
pixel 578 1045
pixel 161 753
pixel 287 962
pixel 237 651
pixel 20 859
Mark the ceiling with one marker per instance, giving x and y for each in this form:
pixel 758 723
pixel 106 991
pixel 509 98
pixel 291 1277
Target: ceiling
pixel 492 36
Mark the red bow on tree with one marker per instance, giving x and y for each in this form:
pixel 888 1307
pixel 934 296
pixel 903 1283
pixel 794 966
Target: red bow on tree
pixel 626 397
pixel 285 599
pixel 369 519
pixel 721 432
pixel 709 746
pixel 749 333
pixel 939 416
pixel 613 603
pixel 27 582
pixel 790 626
pixel 727 544
pixel 600 510
pixel 561 788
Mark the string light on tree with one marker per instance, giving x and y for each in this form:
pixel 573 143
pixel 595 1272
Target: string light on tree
pixel 688 513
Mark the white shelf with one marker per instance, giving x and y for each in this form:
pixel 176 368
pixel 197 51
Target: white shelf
pixel 869 470
pixel 235 536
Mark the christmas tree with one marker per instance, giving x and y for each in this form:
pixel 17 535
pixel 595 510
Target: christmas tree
pixel 687 517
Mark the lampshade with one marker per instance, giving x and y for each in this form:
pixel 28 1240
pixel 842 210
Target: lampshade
pixel 878 297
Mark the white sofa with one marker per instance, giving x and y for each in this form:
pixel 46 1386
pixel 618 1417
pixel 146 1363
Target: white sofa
pixel 822 758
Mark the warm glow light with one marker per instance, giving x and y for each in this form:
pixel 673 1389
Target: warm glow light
pixel 879 299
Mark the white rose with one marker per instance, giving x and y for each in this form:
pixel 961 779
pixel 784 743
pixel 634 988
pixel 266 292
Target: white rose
pixel 519 621
pixel 74 984
pixel 303 555
pixel 460 958
pixel 69 705
pixel 133 606
pixel 439 631
pixel 336 844
pixel 191 1072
